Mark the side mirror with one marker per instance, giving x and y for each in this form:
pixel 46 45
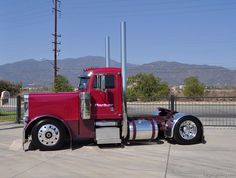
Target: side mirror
pixel 103 83
pixel 85 86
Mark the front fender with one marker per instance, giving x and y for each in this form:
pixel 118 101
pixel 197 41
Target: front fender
pixel 29 126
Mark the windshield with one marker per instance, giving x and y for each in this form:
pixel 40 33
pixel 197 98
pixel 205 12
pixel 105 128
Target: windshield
pixel 83 83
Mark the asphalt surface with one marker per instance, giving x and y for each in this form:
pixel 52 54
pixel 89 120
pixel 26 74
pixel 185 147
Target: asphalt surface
pixel 216 158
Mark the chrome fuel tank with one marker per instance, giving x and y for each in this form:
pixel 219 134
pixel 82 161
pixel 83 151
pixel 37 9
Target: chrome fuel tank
pixel 143 129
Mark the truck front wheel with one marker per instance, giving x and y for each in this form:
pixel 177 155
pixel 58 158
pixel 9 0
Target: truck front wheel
pixel 48 134
pixel 188 131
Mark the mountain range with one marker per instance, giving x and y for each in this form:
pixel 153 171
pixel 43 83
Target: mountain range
pixel 39 73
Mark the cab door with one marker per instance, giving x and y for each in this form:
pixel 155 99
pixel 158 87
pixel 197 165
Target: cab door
pixel 105 96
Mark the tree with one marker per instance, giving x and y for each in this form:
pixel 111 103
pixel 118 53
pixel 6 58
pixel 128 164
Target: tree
pixel 62 84
pixel 146 87
pixel 192 87
pixel 13 88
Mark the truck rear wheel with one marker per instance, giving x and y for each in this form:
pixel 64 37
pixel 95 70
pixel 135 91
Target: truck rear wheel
pixel 48 134
pixel 188 131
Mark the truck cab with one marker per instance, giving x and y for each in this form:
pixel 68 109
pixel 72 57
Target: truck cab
pixel 104 86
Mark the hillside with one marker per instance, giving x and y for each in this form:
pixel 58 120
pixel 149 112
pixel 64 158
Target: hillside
pixel 40 73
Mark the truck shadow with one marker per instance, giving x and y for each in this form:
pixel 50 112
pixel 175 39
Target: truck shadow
pixel 173 142
pixel 120 145
pixel 79 144
pixel 142 143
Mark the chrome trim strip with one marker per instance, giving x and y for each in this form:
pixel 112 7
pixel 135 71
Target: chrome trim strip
pixel 106 123
pixel 156 129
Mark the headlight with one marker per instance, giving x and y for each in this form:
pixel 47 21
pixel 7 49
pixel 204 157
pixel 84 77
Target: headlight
pixel 26 105
pixel 26 102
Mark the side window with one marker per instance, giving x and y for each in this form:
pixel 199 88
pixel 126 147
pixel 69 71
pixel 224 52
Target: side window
pixel 95 82
pixel 99 81
pixel 110 81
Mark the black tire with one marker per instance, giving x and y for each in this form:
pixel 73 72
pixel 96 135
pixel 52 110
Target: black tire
pixel 48 134
pixel 195 131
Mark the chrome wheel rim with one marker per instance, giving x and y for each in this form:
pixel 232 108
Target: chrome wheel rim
pixel 48 135
pixel 188 130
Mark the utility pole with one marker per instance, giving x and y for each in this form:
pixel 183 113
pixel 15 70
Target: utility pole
pixel 55 35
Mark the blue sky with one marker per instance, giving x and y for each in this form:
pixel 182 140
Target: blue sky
pixel 187 31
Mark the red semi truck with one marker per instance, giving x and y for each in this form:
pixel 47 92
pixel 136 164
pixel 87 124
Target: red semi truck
pixel 98 111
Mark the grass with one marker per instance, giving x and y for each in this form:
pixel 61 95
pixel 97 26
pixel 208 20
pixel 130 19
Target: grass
pixel 7 116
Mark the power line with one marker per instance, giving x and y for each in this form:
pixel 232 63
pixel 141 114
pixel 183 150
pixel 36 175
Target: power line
pixel 150 8
pixel 155 6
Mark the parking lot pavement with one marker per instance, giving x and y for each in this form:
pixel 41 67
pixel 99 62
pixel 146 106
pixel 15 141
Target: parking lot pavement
pixel 216 158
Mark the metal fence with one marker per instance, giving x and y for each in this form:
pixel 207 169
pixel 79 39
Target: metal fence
pixel 143 106
pixel 212 111
pixel 10 109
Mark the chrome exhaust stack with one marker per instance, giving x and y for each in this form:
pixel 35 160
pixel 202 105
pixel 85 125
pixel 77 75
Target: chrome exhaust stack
pixel 107 51
pixel 123 64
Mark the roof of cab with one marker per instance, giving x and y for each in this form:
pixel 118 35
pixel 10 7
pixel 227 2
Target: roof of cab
pixel 102 70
